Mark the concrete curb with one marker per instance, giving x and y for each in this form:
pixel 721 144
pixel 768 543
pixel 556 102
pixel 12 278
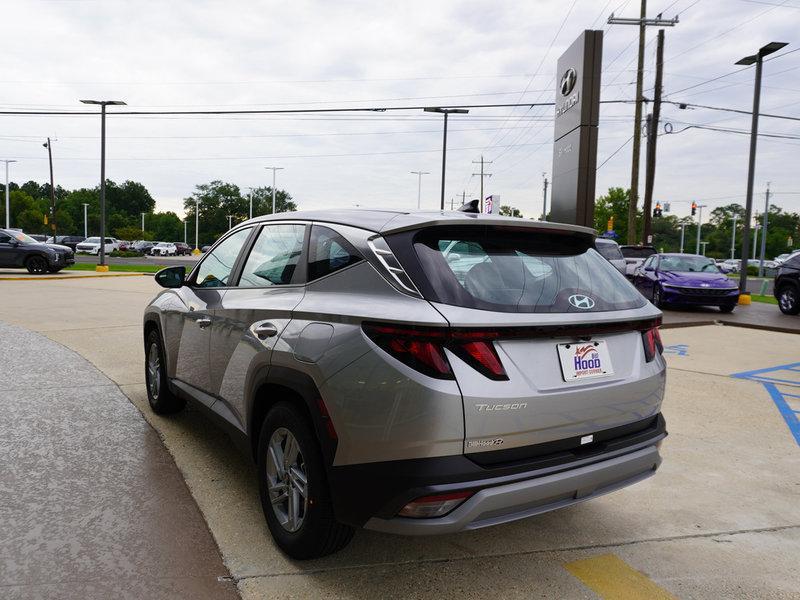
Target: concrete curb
pixel 729 324
pixel 53 277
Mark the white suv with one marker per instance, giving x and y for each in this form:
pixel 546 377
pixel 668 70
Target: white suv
pixel 92 245
pixel 164 249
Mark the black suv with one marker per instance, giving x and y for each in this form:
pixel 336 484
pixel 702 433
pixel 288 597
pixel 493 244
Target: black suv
pixel 70 241
pixel 787 286
pixel 20 250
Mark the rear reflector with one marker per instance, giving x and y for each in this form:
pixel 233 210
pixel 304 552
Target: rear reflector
pixel 429 507
pixel 652 344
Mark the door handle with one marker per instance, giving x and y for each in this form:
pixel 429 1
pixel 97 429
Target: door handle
pixel 203 322
pixel 265 330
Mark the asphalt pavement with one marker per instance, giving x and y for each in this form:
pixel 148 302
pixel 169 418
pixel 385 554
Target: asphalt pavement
pixel 139 260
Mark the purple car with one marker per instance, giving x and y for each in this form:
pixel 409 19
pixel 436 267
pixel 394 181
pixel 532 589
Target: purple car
pixel 685 279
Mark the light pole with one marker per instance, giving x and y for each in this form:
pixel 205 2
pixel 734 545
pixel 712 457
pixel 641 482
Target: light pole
pixel 250 195
pixel 229 222
pixel 273 185
pixel 756 227
pixel 419 175
pixel 196 250
pixel 446 112
pixel 85 220
pixel 765 227
pixel 683 229
pixel 102 104
pixel 733 238
pixel 143 214
pixel 184 232
pixel 8 202
pixel 700 208
pixel 748 211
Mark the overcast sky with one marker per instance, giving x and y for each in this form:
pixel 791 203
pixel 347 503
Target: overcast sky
pixel 230 54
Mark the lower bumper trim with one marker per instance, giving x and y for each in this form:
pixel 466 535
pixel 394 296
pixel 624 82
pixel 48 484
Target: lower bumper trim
pixel 510 502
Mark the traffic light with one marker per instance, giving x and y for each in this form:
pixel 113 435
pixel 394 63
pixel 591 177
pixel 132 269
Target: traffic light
pixel 694 208
pixel 657 210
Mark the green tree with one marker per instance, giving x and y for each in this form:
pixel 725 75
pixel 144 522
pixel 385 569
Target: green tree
pixel 129 233
pixel 614 205
pixel 510 211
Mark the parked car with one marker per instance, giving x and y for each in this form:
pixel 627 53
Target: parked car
pixel 205 248
pixel 729 265
pixel 635 256
pixel 782 258
pixel 787 285
pixel 66 240
pixel 164 249
pixel 91 245
pixel 377 385
pixel 685 279
pixel 182 249
pixel 609 249
pixel 124 245
pixel 143 246
pixel 20 250
pixel 37 237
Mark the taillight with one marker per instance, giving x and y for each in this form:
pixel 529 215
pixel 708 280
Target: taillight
pixel 438 505
pixel 652 344
pixel 423 349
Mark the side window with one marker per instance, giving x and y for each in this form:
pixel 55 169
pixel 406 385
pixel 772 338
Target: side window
pixel 215 270
pixel 5 238
pixel 328 252
pixel 274 257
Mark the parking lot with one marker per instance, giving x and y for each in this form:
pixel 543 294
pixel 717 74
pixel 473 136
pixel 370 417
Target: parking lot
pixel 720 518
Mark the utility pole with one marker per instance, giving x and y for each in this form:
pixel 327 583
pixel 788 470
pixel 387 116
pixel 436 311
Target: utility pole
pixel 733 238
pixel 49 146
pixel 683 229
pixel 652 139
pixel 8 202
pixel 274 169
pixel 482 174
pixel 757 59
pixel 85 220
pixel 446 112
pixel 196 226
pixel 700 208
pixel 544 203
pixel 756 227
pixel 419 175
pixel 765 228
pixel 643 22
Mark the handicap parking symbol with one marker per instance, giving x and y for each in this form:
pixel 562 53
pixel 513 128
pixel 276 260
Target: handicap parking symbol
pixel 677 349
pixel 783 385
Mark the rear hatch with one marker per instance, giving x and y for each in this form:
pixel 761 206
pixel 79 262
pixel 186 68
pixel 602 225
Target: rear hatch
pixel 548 341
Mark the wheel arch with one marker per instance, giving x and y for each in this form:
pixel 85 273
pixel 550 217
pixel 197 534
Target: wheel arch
pixel 282 384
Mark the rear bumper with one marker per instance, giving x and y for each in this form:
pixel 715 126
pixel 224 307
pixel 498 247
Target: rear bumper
pixel 549 477
pixel 504 503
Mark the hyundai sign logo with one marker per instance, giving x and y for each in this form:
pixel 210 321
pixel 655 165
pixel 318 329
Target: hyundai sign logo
pixel 568 82
pixel 581 301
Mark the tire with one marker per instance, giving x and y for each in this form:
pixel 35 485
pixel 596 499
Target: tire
pixel 789 300
pixel 36 265
pixel 313 531
pixel 162 400
pixel 658 296
pixel 728 308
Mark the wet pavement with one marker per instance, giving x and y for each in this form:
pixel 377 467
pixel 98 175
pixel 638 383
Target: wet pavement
pixel 93 505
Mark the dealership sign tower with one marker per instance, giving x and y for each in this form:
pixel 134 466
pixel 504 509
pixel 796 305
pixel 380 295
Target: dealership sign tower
pixel 577 113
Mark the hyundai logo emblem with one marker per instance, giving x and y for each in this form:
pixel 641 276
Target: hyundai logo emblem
pixel 581 301
pixel 568 82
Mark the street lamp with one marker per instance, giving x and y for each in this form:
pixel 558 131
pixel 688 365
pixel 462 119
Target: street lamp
pixel 700 208
pixel 196 250
pixel 102 104
pixel 8 202
pixel 419 174
pixel 273 184
pixel 758 60
pixel 184 232
pixel 143 214
pixel 229 222
pixel 445 112
pixel 85 220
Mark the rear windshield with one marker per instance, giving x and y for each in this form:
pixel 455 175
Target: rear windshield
pixel 608 250
pixel 519 270
pixel 636 251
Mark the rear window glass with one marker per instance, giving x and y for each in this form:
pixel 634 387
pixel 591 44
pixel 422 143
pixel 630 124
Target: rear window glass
pixel 636 252
pixel 609 251
pixel 519 270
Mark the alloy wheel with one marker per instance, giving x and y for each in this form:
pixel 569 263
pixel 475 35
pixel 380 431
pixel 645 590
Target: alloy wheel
pixel 787 300
pixel 37 265
pixel 153 371
pixel 287 480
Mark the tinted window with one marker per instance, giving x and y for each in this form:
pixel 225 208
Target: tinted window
pixel 4 238
pixel 608 250
pixel 517 270
pixel 274 257
pixel 636 251
pixel 215 270
pixel 328 252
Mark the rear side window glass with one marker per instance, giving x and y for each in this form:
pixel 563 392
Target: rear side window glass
pixel 609 251
pixel 275 256
pixel 520 270
pixel 215 270
pixel 328 252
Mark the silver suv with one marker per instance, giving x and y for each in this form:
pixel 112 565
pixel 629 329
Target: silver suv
pixel 412 373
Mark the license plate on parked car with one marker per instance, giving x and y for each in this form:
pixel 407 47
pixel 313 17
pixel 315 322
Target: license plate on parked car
pixel 584 360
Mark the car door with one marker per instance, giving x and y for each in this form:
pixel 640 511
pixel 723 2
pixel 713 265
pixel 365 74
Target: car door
pixel 645 278
pixel 252 315
pixel 203 293
pixel 9 251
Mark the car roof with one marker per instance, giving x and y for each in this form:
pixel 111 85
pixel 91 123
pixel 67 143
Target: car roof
pixel 390 221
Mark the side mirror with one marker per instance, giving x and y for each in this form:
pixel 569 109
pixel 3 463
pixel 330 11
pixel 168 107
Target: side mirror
pixel 171 277
pixel 649 268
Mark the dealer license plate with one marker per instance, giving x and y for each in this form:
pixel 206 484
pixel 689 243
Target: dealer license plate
pixel 585 360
